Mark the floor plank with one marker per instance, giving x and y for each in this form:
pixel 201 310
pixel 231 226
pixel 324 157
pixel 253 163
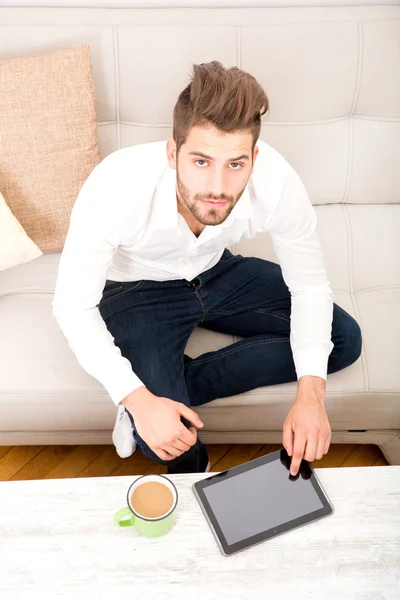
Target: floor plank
pixel 75 462
pixel 51 462
pixel 14 460
pixel 267 449
pixel 43 462
pixel 104 464
pixel 216 452
pixel 335 457
pixel 381 462
pixel 156 469
pixel 239 454
pixel 362 456
pixel 137 464
pixel 4 450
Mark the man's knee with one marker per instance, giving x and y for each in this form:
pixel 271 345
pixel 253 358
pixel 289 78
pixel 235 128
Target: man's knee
pixel 346 335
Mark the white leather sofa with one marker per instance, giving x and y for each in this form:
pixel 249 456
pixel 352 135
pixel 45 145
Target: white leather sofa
pixel 332 78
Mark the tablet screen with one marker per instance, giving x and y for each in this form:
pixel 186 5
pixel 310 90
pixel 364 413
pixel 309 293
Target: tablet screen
pixel 260 499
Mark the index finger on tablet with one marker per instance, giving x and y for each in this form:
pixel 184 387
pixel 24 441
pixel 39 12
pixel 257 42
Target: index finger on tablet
pixel 298 453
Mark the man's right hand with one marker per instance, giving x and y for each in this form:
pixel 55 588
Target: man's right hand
pixel 158 422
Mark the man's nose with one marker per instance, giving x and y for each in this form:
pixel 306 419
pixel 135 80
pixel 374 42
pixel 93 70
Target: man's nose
pixel 216 186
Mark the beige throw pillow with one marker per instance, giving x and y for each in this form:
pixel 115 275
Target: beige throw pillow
pixel 48 139
pixel 15 246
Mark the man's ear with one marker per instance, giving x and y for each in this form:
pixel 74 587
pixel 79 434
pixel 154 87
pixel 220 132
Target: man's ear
pixel 256 149
pixel 171 153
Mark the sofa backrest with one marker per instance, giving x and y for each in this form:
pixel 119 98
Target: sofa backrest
pixel 331 75
pixel 332 78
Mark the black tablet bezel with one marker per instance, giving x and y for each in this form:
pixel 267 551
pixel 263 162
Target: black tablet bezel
pixel 306 471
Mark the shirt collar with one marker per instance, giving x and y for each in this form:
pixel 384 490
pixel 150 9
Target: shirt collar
pixel 165 213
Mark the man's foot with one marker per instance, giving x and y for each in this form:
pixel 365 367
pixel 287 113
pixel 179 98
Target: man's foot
pixel 122 436
pixel 197 461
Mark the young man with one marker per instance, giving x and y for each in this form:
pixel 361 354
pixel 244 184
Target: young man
pixel 145 262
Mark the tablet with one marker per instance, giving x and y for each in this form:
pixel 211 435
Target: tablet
pixel 259 500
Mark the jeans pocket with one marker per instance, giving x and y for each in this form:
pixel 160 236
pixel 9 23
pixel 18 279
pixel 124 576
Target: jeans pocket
pixel 112 289
pixel 115 289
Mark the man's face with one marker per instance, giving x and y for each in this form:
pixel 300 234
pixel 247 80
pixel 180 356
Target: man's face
pixel 212 171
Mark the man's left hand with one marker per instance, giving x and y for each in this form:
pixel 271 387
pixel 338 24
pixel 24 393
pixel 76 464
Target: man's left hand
pixel 308 423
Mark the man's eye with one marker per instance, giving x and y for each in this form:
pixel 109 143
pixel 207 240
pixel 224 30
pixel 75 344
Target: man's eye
pixel 202 160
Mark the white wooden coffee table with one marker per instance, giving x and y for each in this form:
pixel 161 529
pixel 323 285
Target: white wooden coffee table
pixel 58 540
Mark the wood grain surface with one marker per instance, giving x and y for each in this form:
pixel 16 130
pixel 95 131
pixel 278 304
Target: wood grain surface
pixel 56 462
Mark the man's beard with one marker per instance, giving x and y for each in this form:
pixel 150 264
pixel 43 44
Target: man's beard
pixel 212 217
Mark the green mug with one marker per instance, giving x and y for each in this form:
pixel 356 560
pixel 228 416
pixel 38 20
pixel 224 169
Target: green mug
pixel 148 526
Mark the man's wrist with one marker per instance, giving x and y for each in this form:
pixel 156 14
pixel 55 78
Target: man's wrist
pixel 311 387
pixel 131 399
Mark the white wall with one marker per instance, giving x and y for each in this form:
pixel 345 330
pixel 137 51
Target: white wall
pixel 193 3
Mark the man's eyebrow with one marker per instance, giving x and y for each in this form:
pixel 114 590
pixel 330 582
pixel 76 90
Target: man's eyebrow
pixel 242 156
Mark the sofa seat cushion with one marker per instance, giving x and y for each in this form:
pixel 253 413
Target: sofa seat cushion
pixel 41 378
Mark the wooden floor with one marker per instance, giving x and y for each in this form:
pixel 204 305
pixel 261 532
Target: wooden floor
pixel 56 462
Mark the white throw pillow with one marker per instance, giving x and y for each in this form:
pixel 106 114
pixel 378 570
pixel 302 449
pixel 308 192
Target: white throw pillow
pixel 15 245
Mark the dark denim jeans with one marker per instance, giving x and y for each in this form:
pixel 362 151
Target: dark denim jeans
pixel 151 322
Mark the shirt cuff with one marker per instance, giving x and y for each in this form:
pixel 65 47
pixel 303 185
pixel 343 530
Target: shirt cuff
pixel 312 362
pixel 119 389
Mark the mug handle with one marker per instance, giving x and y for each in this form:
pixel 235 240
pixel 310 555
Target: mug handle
pixel 119 520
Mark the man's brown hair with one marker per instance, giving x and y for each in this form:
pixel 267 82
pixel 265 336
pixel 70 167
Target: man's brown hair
pixel 229 99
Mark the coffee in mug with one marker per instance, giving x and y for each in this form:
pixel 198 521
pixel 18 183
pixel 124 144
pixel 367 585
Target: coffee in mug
pixel 152 499
pixel 151 510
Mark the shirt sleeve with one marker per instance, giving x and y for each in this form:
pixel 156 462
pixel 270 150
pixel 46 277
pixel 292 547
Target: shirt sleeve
pixel 295 241
pixel 91 242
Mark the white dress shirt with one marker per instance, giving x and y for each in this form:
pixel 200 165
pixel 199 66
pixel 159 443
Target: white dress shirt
pixel 125 226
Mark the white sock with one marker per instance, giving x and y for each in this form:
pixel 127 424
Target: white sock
pixel 122 435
